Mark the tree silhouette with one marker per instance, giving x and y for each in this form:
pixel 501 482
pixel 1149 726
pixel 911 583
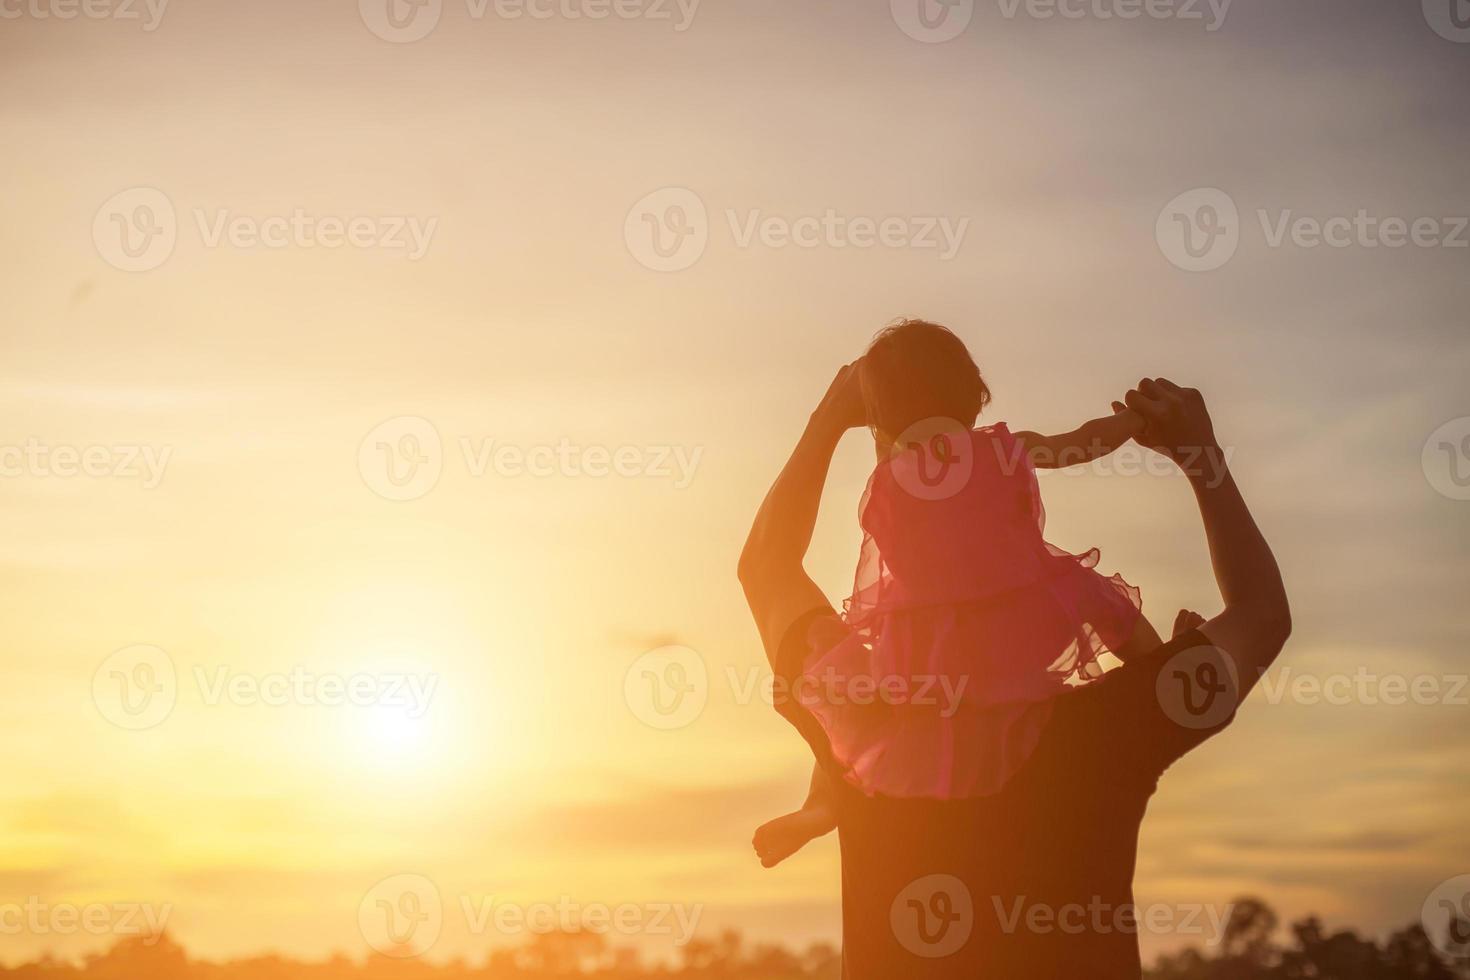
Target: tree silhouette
pixel 1249 950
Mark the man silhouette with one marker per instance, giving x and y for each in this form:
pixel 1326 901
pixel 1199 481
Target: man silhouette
pixel 1035 881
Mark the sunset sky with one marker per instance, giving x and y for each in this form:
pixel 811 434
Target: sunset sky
pixel 264 380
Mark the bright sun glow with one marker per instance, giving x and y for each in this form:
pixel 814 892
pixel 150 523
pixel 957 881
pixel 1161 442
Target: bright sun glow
pixel 394 643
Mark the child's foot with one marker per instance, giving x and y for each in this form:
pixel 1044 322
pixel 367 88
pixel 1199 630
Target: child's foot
pixel 1187 620
pixel 778 840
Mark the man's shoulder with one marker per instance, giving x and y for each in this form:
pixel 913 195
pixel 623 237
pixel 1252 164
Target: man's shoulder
pixel 1151 711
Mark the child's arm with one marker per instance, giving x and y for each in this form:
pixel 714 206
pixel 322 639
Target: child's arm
pixel 1092 440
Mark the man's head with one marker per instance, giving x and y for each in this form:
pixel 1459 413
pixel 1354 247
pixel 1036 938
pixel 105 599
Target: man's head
pixel 916 370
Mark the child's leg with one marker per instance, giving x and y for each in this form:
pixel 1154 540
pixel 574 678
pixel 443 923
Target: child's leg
pixel 779 839
pixel 819 795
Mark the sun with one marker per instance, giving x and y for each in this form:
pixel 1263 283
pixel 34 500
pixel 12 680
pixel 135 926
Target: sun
pixel 393 730
pixel 398 652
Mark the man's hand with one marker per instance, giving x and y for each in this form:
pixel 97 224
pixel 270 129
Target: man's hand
pixel 776 584
pixel 1177 425
pixel 842 407
pixel 1256 620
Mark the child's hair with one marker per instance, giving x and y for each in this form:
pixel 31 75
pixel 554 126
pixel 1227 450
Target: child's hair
pixel 916 370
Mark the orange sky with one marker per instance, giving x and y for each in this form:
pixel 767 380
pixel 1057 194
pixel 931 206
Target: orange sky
pixel 498 292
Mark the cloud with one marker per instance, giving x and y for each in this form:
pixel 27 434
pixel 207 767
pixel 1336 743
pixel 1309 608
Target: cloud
pixel 662 819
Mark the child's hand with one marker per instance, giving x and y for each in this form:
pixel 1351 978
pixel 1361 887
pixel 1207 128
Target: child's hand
pixel 1134 421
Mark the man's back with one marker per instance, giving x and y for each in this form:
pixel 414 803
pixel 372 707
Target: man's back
pixel 1035 881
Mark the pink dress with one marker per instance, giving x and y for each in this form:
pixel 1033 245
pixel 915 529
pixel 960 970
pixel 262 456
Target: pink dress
pixel 964 624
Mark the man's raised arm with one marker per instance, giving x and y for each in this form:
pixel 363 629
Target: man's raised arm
pixel 1257 619
pixel 771 572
